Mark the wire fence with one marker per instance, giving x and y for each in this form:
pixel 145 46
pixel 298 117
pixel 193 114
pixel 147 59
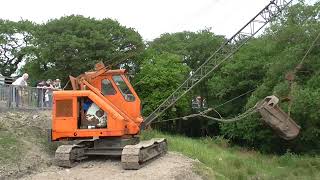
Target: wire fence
pixel 25 97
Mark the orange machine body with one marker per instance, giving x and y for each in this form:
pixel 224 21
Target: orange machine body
pixel 111 91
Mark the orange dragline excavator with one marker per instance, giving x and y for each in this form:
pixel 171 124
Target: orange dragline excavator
pixel 102 115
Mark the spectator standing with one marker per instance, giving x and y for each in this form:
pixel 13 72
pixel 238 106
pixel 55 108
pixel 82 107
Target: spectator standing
pixel 16 86
pixel 21 81
pixel 41 93
pixel 48 93
pixel 57 84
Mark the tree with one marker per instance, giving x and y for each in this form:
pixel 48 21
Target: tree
pixel 15 44
pixel 259 68
pixel 280 51
pixel 194 48
pixel 160 75
pixel 73 44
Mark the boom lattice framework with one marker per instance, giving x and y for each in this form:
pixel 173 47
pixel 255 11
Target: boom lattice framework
pixel 226 50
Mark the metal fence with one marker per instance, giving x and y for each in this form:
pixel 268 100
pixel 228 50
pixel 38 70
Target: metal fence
pixel 25 97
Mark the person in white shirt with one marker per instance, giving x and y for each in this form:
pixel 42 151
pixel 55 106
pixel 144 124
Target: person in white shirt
pixel 48 94
pixel 17 84
pixel 57 84
pixel 21 81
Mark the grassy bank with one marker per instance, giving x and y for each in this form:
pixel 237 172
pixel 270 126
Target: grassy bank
pixel 222 162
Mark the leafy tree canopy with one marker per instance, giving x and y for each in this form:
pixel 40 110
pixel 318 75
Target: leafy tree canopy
pixel 160 75
pixel 15 44
pixel 263 64
pixel 73 44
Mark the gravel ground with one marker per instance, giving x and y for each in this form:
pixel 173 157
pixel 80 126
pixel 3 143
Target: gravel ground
pixel 171 166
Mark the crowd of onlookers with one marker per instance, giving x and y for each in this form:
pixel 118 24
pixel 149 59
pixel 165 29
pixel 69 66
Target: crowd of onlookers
pixel 44 90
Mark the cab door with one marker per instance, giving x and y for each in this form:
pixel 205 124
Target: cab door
pixel 130 100
pixel 119 91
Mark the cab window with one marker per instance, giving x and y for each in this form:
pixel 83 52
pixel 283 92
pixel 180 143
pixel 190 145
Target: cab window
pixel 124 89
pixel 107 88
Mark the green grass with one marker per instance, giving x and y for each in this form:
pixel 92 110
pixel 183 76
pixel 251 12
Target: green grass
pixel 218 161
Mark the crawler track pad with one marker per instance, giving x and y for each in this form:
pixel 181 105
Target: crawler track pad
pixel 66 155
pixel 135 156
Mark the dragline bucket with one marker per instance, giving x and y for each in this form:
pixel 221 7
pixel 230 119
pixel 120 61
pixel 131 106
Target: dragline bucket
pixel 277 119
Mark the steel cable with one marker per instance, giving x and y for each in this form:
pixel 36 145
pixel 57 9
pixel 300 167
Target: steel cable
pixel 238 117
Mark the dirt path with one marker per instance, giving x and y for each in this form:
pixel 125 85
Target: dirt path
pixel 171 166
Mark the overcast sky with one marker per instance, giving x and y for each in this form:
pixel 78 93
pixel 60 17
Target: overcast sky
pixel 150 18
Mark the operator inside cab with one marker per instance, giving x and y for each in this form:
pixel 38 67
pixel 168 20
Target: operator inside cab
pixel 92 116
